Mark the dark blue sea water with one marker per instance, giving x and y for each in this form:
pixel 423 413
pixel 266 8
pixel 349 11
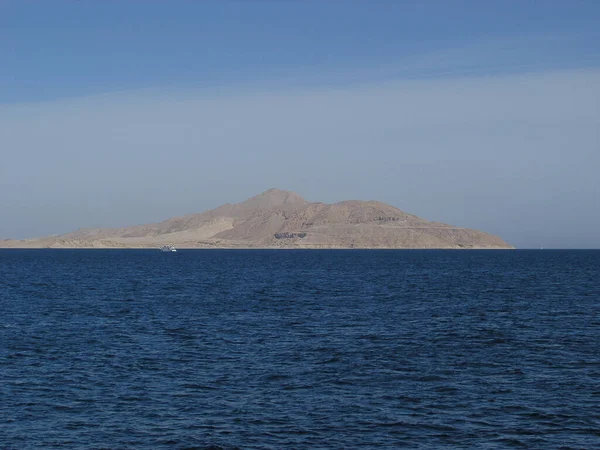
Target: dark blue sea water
pixel 112 349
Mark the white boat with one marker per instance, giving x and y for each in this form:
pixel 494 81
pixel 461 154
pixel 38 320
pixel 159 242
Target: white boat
pixel 168 248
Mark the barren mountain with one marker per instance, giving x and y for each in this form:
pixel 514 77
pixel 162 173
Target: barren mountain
pixel 281 219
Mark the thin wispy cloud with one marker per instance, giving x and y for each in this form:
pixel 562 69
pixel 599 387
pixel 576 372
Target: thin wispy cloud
pixel 500 153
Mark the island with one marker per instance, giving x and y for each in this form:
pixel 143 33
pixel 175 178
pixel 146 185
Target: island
pixel 281 219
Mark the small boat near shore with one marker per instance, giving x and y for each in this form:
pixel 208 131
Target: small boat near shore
pixel 168 248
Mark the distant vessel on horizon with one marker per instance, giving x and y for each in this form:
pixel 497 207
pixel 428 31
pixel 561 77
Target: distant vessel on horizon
pixel 168 248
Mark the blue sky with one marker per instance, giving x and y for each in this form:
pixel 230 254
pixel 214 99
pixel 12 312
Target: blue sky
pixel 480 114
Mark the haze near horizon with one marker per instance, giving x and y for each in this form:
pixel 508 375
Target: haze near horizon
pixel 484 116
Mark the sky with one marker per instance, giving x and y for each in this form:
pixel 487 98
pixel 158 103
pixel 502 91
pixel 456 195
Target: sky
pixel 479 114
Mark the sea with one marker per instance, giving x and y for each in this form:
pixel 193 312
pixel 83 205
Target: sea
pixel 299 349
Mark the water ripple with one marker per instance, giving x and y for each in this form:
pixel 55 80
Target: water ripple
pixel 223 350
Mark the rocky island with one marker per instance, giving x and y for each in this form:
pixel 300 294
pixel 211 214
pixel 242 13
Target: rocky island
pixel 281 219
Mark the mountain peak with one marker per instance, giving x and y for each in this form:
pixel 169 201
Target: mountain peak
pixel 273 198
